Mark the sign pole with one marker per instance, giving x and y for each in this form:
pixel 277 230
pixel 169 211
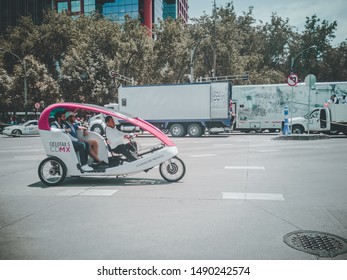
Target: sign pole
pixel 310 81
pixel 291 111
pixel 292 81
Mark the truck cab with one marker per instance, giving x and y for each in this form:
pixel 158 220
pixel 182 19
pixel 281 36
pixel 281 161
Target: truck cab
pixel 319 120
pixel 331 119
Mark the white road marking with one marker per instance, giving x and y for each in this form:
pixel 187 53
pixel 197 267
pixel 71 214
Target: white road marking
pixel 199 142
pixel 200 156
pixel 318 147
pixel 15 148
pixel 70 192
pixel 268 151
pixel 87 192
pixel 38 157
pixel 21 151
pixel 223 145
pixel 98 192
pixel 245 167
pixel 252 196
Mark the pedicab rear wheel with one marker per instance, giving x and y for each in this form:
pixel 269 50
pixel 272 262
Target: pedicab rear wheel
pixel 52 171
pixel 172 170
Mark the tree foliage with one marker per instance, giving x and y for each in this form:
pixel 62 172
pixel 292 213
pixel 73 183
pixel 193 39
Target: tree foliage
pixel 69 58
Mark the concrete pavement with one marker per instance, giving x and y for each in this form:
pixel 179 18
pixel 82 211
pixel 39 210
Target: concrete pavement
pixel 240 196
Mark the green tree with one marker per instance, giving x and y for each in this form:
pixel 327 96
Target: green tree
pixel 239 46
pixel 42 88
pixel 334 66
pixel 5 85
pixel 135 53
pixel 319 34
pixel 104 46
pixel 172 46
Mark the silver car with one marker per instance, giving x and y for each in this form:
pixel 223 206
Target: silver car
pixel 27 128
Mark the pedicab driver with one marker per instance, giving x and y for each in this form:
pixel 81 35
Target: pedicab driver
pixel 115 139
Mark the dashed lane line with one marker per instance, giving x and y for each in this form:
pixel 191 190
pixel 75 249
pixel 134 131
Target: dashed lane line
pixel 35 157
pixel 87 192
pixel 200 156
pixel 252 196
pixel 268 151
pixel 245 167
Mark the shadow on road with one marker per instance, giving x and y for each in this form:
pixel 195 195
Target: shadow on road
pixel 104 182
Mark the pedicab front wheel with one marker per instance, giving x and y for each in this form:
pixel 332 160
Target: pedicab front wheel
pixel 52 171
pixel 172 170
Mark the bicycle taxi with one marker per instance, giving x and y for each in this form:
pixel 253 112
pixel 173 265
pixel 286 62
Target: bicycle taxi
pixel 62 161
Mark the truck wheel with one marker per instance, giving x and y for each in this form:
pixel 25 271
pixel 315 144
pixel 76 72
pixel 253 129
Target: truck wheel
pixel 297 129
pixel 52 171
pixel 97 128
pixel 177 130
pixel 194 130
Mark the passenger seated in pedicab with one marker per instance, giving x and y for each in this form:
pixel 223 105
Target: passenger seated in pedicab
pixel 59 122
pixel 91 146
pixel 115 140
pixel 60 125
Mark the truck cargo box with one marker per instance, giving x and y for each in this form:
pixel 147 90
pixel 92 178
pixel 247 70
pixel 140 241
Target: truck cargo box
pixel 179 102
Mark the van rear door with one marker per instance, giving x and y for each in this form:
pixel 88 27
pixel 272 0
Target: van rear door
pixel 219 96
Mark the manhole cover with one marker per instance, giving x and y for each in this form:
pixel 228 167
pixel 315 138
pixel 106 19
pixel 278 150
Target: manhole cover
pixel 316 243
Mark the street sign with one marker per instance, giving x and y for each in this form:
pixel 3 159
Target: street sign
pixel 37 105
pixel 114 74
pixel 292 80
pixel 310 80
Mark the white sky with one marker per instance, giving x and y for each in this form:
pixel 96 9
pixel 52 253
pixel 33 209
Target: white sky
pixel 295 10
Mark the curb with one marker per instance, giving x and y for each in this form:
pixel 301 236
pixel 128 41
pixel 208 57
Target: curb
pixel 302 137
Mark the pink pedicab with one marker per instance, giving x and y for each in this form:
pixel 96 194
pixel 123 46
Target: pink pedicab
pixel 62 161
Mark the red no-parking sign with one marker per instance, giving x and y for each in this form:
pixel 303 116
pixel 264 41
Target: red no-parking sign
pixel 292 80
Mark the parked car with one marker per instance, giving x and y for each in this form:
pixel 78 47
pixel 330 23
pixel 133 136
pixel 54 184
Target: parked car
pixel 27 128
pixel 2 126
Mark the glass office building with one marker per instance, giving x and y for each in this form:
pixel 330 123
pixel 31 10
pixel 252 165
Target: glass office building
pixel 175 9
pixel 148 11
pixel 12 10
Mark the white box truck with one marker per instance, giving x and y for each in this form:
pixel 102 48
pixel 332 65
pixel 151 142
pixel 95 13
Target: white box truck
pixel 331 119
pixel 181 109
pixel 260 107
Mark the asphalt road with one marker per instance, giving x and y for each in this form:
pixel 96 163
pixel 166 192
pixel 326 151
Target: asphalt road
pixel 241 195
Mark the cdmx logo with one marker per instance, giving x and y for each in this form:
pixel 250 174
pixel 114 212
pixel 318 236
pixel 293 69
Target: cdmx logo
pixel 60 147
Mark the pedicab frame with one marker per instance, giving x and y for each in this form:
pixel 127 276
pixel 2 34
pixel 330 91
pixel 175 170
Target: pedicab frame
pixel 62 161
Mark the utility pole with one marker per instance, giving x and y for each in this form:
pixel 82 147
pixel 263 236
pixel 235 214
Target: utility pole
pixel 214 46
pixel 292 63
pixel 192 57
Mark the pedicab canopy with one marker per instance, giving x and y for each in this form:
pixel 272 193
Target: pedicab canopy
pixel 44 121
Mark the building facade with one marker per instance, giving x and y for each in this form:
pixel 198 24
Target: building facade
pixel 147 11
pixel 176 9
pixel 12 10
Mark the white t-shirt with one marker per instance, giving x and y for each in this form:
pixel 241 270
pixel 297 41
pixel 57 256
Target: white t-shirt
pixel 114 137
